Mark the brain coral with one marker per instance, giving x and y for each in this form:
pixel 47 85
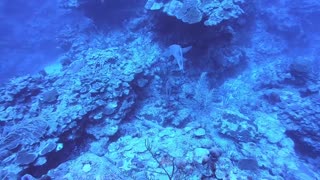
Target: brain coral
pixel 193 11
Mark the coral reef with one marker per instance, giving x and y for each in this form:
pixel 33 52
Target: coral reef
pixel 195 11
pixel 131 96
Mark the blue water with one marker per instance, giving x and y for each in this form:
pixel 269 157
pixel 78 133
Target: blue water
pixel 159 89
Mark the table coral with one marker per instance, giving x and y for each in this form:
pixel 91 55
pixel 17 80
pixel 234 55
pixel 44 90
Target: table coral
pixel 195 11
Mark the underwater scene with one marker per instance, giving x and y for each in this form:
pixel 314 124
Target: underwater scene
pixel 160 90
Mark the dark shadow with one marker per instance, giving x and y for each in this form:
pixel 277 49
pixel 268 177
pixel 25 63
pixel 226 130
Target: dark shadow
pixel 108 14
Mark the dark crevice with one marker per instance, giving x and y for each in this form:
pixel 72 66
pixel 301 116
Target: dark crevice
pixel 300 146
pixel 72 148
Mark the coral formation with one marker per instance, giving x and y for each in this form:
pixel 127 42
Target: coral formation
pixel 194 11
pixel 139 95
